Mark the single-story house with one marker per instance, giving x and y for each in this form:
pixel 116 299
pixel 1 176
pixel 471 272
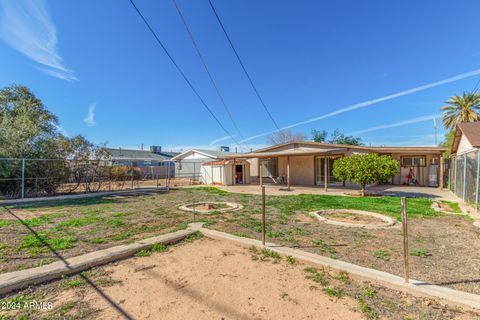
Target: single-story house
pixel 153 163
pixel 311 163
pixel 188 164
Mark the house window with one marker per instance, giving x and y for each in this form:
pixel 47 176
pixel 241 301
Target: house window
pixel 416 161
pixel 270 167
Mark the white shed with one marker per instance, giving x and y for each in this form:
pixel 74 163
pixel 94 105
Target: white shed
pixel 225 172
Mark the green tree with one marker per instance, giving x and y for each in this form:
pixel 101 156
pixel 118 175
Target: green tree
pixel 319 136
pixel 364 169
pixel 341 138
pixel 336 137
pixel 28 130
pixel 448 142
pixel 461 109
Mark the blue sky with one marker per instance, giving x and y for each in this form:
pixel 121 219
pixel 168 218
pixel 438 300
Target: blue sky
pixel 380 70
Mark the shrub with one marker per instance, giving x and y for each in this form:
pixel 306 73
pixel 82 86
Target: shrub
pixel 364 169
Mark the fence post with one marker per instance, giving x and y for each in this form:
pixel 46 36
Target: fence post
pixel 167 183
pixel 464 176
pixel 86 176
pixel 23 178
pixel 131 167
pixel 455 175
pixel 263 215
pixel 477 189
pixel 405 239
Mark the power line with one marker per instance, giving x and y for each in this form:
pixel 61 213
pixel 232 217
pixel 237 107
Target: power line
pixel 476 86
pixel 243 66
pixel 212 80
pixel 181 72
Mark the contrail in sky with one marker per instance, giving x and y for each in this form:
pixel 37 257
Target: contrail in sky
pixel 398 124
pixel 374 101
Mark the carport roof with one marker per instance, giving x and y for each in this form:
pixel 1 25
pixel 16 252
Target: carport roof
pixel 298 148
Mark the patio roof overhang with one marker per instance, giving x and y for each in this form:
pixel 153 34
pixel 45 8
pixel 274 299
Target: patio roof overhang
pixel 284 153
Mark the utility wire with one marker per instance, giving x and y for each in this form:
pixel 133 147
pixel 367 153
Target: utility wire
pixel 181 72
pixel 243 66
pixel 212 80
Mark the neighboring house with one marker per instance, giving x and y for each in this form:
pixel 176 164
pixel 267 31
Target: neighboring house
pixel 189 163
pixel 153 163
pixel 311 163
pixel 467 138
pixel 464 177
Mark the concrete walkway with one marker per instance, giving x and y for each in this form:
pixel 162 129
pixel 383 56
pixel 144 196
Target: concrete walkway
pixel 415 287
pixel 386 190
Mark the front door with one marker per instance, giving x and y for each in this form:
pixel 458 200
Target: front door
pixel 239 174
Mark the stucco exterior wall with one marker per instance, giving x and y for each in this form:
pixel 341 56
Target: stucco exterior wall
pixel 253 167
pixel 302 170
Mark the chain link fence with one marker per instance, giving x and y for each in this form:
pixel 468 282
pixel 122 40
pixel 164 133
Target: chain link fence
pixel 26 178
pixel 464 176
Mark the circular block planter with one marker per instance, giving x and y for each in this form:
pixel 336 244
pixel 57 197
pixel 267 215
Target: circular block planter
pixel 209 207
pixel 354 218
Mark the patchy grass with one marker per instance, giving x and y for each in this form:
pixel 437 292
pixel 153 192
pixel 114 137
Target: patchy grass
pixel 369 292
pixel 334 292
pixel 419 253
pixel 366 309
pixel 391 206
pixel 381 254
pixel 454 206
pixel 291 260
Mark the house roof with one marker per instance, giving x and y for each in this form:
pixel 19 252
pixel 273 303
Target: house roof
pixel 471 131
pixel 127 154
pixel 214 154
pixel 311 148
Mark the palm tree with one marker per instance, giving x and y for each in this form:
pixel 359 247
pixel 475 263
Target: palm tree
pixel 461 109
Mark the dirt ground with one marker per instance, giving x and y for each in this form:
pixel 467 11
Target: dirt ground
pixel 213 279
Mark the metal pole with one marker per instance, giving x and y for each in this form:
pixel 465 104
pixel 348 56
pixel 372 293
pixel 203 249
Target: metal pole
pixel 477 189
pixel 23 178
pixel 263 215
pixel 86 176
pixel 455 175
pixel 131 169
pixel 405 239
pixel 464 176
pixel 167 183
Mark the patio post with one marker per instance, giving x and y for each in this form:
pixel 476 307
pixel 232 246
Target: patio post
pixel 288 172
pixel 325 173
pixel 477 189
pixel 440 178
pixel 260 170
pixel 233 172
